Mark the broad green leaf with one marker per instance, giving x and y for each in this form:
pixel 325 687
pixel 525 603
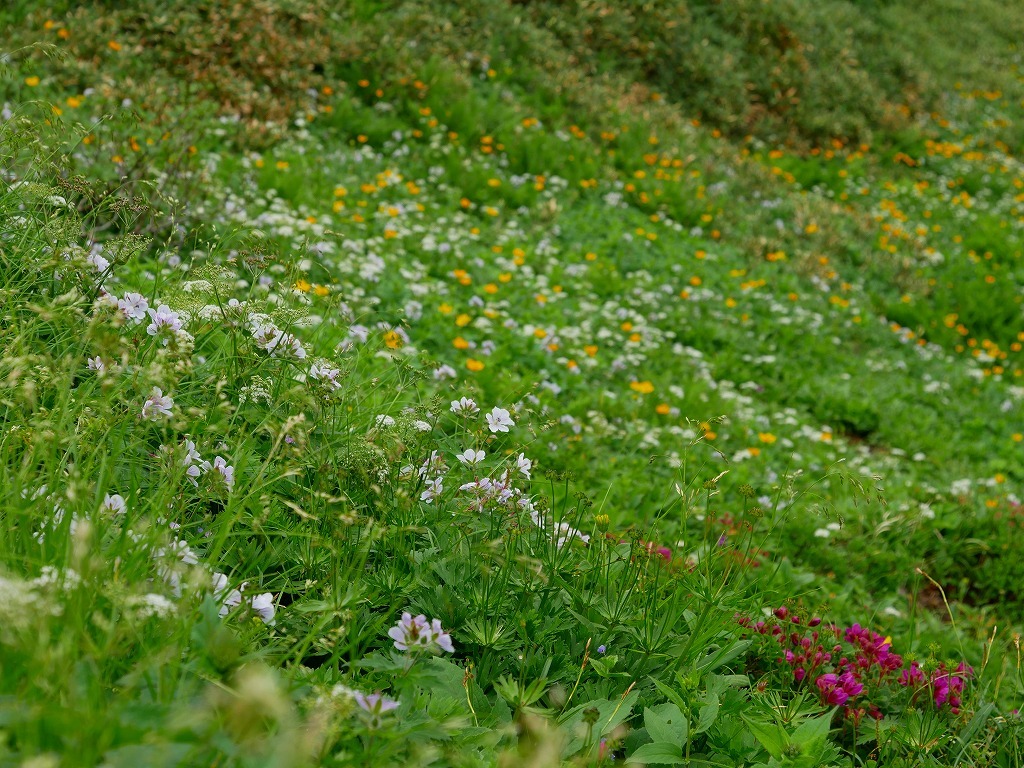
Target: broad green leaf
pixel 708 713
pixel 658 753
pixel 813 730
pixel 666 723
pixel 770 735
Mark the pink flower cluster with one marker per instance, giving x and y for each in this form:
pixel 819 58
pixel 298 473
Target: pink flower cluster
pixel 946 687
pixel 842 661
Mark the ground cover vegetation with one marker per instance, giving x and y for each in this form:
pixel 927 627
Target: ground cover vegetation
pixel 515 383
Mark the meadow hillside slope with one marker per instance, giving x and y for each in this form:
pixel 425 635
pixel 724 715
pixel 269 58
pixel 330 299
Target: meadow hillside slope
pixel 511 383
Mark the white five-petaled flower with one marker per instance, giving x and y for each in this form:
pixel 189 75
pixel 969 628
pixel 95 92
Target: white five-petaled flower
pixel 499 420
pixel 263 606
pixel 113 503
pixel 416 633
pixel 470 457
pixel 165 322
pixel 464 407
pixel 225 470
pixel 195 464
pixel 157 405
pixel 433 489
pixel 524 465
pixel 229 598
pixel 133 306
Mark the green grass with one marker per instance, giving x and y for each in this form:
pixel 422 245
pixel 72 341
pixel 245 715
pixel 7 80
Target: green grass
pixel 753 305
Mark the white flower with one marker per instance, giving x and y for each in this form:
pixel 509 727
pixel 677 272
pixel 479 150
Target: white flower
pixel 133 306
pixel 165 323
pixel 524 465
pixel 229 598
pixel 464 407
pixel 470 457
pixel 498 420
pixel 444 372
pixel 97 364
pixel 434 488
pixel 152 605
pixel 225 470
pixel 421 426
pixel 113 504
pixel 157 405
pixel 384 421
pixel 263 605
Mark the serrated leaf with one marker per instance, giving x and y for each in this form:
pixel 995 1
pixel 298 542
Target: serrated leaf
pixel 771 736
pixel 665 723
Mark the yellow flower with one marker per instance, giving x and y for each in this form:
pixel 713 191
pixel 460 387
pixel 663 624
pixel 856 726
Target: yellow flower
pixel 643 387
pixel 474 365
pixel 32 82
pixel 460 343
pixel 663 409
pixel 393 340
pixel 302 285
pixel 766 437
pixel 463 320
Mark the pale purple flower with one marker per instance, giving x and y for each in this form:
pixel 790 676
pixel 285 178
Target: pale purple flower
pixel 194 463
pixel 133 306
pixel 97 262
pixel 157 405
pixel 416 633
pixel 279 344
pixel 325 375
pixel 433 464
pixel 97 364
pixel 375 705
pixel 225 470
pixel 499 420
pixel 165 322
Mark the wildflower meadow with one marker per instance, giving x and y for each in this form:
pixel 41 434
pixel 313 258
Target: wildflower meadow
pixel 515 383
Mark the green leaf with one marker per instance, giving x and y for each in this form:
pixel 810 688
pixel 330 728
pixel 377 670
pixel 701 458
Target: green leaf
pixel 665 723
pixel 659 752
pixel 771 736
pixel 813 730
pixel 670 694
pixel 708 713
